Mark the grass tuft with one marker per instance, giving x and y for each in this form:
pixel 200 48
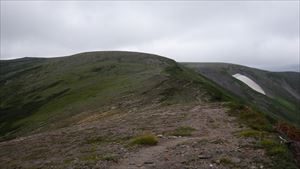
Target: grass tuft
pixel 183 131
pixel 268 143
pixel 144 139
pixel 251 133
pixel 95 157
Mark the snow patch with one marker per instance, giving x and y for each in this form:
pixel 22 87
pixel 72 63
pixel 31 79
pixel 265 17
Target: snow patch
pixel 249 83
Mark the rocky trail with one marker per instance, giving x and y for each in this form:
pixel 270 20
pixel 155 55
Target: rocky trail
pixel 102 143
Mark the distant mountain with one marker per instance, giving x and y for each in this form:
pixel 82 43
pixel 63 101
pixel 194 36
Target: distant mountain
pixel 286 68
pixel 282 88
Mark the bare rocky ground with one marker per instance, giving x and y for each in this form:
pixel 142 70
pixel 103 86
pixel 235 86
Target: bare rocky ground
pixel 101 140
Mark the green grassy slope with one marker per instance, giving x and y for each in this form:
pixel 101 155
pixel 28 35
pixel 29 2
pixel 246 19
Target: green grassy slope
pixel 42 94
pixel 282 88
pixel 36 92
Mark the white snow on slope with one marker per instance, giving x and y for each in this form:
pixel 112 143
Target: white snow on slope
pixel 249 83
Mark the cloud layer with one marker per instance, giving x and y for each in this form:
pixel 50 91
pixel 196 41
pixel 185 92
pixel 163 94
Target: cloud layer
pixel 250 33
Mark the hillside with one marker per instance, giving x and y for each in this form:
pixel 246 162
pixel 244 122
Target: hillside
pixel 43 93
pixel 127 110
pixel 282 88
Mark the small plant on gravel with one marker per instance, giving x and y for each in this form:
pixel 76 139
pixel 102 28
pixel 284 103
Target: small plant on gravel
pixel 203 141
pixel 217 141
pixel 144 139
pixel 183 131
pixel 96 157
pixel 67 161
pixel 110 157
pixel 225 160
pixel 95 140
pixel 90 157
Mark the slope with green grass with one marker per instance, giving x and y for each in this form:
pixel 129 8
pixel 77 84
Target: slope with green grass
pixel 37 92
pixel 41 94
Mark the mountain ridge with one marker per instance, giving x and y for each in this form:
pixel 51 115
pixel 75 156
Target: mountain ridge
pixel 106 109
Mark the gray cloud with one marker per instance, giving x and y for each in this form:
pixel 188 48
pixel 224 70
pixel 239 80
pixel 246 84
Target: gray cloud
pixel 251 33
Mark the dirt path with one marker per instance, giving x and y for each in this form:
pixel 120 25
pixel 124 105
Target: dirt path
pixel 102 144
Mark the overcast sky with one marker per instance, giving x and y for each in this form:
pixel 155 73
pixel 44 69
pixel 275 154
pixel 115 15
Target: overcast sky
pixel 261 33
